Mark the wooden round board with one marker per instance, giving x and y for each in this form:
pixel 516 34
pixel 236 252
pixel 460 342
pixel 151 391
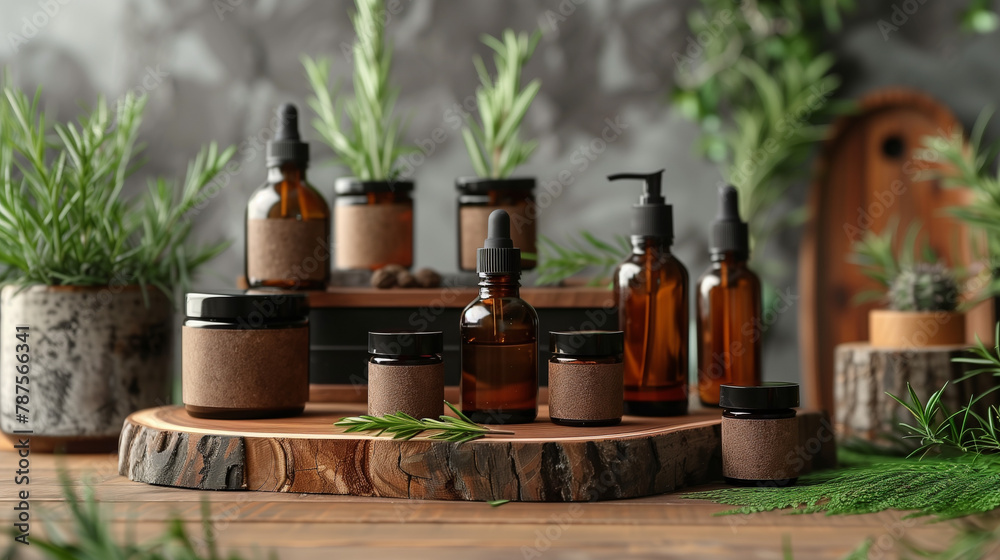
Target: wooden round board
pixel 540 462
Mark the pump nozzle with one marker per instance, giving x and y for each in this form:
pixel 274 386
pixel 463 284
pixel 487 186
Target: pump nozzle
pixel 652 193
pixel 652 217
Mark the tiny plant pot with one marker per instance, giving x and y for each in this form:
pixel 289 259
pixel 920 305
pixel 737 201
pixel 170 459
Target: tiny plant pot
pixel 94 356
pixel 915 329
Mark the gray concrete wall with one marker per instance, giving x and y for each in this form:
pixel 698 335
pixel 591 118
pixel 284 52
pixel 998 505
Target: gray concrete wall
pixel 215 71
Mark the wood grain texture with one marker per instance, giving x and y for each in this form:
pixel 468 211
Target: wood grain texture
pixel 865 374
pixel 309 526
pixel 541 462
pixel 859 185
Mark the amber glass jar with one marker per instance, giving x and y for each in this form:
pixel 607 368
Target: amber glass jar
pixel 373 224
pixel 586 378
pixel 477 198
pixel 760 434
pixel 406 373
pixel 245 355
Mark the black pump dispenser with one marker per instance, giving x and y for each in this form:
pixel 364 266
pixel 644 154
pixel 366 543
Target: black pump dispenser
pixel 498 254
pixel 729 232
pixel 287 146
pixel 652 216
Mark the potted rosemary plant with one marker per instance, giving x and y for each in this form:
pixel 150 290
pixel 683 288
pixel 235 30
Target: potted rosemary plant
pixel 373 216
pixel 496 149
pixel 926 298
pixel 85 315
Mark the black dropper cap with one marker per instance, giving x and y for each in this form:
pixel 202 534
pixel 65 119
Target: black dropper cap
pixel 287 146
pixel 498 254
pixel 652 216
pixel 729 232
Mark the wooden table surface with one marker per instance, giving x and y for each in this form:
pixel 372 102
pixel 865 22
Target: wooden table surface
pixel 300 526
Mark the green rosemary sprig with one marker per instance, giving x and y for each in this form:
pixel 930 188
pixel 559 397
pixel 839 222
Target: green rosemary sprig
pixel 558 262
pixel 405 427
pixel 494 145
pixel 370 143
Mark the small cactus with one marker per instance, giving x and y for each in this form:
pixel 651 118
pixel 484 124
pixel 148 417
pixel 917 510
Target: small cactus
pixel 924 287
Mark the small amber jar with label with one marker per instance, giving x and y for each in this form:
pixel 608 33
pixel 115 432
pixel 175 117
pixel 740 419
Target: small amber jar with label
pixel 373 224
pixel 586 378
pixel 406 373
pixel 759 434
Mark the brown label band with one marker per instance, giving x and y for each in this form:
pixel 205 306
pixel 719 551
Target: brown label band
pixel 288 249
pixel 245 368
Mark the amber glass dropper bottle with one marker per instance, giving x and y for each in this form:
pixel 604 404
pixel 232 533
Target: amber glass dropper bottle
pixel 288 222
pixel 651 292
pixel 499 336
pixel 728 307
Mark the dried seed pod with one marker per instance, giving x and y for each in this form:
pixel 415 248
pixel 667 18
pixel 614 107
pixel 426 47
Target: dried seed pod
pixel 383 278
pixel 428 278
pixel 406 280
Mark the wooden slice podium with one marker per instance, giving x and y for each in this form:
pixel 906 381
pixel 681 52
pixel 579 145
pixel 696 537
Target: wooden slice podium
pixel 540 462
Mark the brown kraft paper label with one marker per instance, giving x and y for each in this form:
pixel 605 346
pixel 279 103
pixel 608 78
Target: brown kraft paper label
pixel 279 249
pixel 759 449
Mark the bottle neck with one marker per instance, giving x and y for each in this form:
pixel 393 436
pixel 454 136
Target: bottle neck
pixel 728 259
pixel 289 172
pixel 642 244
pixel 499 285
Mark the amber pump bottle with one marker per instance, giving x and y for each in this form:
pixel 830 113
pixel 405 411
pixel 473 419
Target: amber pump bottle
pixel 499 336
pixel 651 293
pixel 288 222
pixel 728 307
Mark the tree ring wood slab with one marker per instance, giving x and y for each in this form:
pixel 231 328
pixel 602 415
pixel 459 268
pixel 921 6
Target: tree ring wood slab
pixel 541 462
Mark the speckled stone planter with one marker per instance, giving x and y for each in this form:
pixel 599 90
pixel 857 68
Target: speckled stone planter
pixel 96 355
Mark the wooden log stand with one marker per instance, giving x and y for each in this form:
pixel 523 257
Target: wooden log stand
pixel 541 462
pixel 865 374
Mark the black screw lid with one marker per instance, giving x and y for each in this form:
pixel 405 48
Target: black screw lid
pixel 652 216
pixel 405 343
pixel 287 146
pixel 766 396
pixel 353 185
pixel 729 232
pixel 484 185
pixel 498 254
pixel 587 343
pixel 251 309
